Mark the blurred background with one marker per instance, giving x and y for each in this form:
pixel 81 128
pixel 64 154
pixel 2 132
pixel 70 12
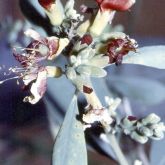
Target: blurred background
pixel 25 137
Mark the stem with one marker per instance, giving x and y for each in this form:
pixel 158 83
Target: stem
pixel 93 100
pixel 116 148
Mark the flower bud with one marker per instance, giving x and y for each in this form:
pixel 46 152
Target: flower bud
pixel 138 162
pixel 46 3
pixel 128 123
pixel 70 73
pixel 118 5
pixel 101 21
pixel 146 131
pixel 53 71
pixel 151 119
pixel 54 10
pixel 139 138
pixel 83 28
pixel 158 135
pixel 158 130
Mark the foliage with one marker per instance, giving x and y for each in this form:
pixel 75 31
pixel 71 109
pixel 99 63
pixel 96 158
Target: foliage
pixel 81 50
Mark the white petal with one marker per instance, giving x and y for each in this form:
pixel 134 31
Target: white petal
pixel 63 42
pixel 38 88
pixel 33 34
pixel 29 78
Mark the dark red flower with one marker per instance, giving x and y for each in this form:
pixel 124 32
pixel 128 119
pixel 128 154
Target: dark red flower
pixel 119 5
pixel 117 48
pixel 46 3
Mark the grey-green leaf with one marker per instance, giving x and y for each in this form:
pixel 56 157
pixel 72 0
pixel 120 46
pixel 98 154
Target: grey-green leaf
pixel 70 147
pixel 143 90
pixel 152 56
pixel 157 152
pixel 92 71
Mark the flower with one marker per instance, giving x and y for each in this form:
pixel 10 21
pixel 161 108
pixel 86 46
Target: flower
pixel 106 13
pixel 46 3
pixel 38 82
pixel 118 5
pixel 33 73
pixel 47 47
pixel 117 48
pixel 97 115
pixel 54 10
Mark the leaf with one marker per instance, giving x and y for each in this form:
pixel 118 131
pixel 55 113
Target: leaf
pixel 157 152
pixel 92 71
pixel 152 56
pixel 142 90
pixel 99 61
pixel 57 102
pixel 70 147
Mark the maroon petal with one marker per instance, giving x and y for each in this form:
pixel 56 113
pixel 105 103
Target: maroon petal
pixel 132 118
pixel 87 90
pixel 119 5
pixel 23 60
pixel 117 48
pixel 53 46
pixel 46 3
pixel 86 39
pixel 38 88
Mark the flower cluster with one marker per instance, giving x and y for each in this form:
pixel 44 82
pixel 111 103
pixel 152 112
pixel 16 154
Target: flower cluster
pixel 85 63
pixel 88 48
pixel 143 129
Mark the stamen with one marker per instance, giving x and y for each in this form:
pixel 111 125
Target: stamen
pixel 36 50
pixel 1 82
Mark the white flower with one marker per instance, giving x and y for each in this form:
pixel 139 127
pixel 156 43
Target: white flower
pixel 33 73
pixel 97 115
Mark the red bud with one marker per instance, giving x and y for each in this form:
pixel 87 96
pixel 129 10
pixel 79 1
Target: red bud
pixel 119 5
pixel 46 3
pixel 86 39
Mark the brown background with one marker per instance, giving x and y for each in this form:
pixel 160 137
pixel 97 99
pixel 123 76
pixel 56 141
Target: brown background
pixel 146 18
